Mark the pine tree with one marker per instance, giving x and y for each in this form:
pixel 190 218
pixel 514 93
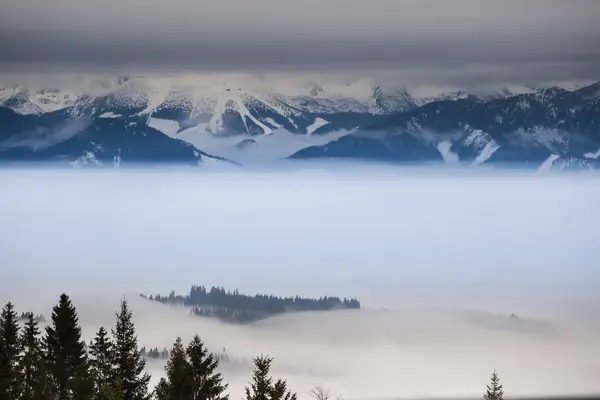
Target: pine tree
pixel 494 389
pixel 207 383
pixel 10 353
pixel 66 357
pixel 281 392
pixel 263 387
pixel 101 365
pixel 262 384
pixel 130 365
pixel 35 383
pixel 178 384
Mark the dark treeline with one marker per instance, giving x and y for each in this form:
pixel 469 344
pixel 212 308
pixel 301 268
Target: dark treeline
pixel 58 364
pixel 234 306
pixel 154 353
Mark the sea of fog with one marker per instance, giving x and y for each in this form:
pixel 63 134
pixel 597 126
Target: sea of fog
pixel 440 259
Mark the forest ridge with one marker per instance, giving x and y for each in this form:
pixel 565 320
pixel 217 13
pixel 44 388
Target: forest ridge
pixel 233 306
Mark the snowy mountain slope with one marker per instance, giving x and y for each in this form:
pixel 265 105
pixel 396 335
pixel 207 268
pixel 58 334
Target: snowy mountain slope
pixel 526 129
pixel 258 118
pixel 208 94
pixel 90 141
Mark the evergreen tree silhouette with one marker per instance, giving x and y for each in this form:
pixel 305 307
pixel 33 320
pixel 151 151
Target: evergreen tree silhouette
pixel 177 384
pixel 35 381
pixel 494 389
pixel 102 359
pixel 130 365
pixel 10 353
pixel 261 386
pixel 207 383
pixel 65 354
pixel 281 392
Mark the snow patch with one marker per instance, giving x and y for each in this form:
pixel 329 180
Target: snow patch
pixel 268 148
pixel 445 149
pixel 245 113
pixel 414 126
pixel 485 154
pixel 592 155
pixel 216 120
pixel 547 137
pixel 524 105
pixel 37 100
pixel 482 142
pixel 156 93
pixel 27 108
pixel 109 115
pixel 166 126
pixel 547 164
pixel 569 163
pixel 319 122
pixel 273 123
pixel 87 158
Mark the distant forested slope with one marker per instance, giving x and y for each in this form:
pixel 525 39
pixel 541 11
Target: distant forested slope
pixel 233 306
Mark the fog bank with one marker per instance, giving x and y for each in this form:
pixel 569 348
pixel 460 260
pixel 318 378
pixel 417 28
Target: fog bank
pixel 440 260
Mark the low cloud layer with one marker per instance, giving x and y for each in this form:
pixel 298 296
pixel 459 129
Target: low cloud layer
pixel 364 231
pixel 318 34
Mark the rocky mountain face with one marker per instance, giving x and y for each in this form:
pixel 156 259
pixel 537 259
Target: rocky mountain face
pixel 138 119
pixel 554 125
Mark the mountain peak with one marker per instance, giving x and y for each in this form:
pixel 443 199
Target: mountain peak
pixel 309 117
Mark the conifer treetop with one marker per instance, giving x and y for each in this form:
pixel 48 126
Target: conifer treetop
pixel 208 383
pixel 65 351
pixel 10 352
pixel 494 390
pixel 129 363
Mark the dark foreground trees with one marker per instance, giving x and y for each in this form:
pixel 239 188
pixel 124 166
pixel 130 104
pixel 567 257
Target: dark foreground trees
pixel 177 384
pixel 263 387
pixel 32 364
pixel 10 353
pixel 130 366
pixel 65 354
pixel 59 365
pixel 191 374
pixel 102 367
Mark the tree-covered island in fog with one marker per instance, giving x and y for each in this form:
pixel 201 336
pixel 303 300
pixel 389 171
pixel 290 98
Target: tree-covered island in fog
pixel 233 306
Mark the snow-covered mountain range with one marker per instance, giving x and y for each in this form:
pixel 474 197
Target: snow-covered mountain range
pixel 247 119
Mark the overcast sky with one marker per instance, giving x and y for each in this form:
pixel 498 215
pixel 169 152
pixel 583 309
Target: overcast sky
pixel 317 34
